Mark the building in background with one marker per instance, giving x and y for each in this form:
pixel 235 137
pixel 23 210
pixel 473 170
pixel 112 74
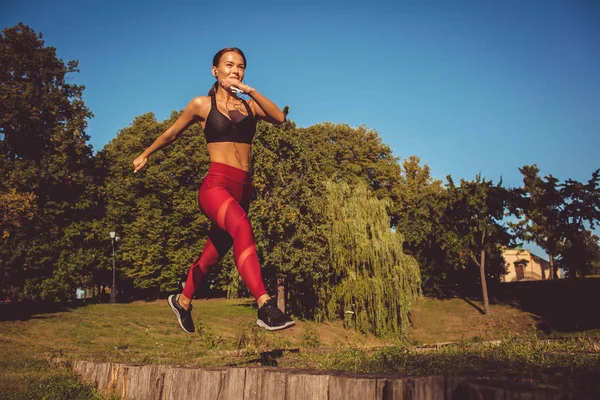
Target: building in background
pixel 523 265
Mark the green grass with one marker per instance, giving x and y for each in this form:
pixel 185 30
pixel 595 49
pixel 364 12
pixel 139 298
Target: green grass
pixel 148 332
pixel 451 320
pixel 228 336
pixel 25 375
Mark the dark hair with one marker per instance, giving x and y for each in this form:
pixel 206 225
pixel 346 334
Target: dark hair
pixel 217 59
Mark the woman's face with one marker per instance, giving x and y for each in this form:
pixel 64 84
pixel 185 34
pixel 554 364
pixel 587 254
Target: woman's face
pixel 231 66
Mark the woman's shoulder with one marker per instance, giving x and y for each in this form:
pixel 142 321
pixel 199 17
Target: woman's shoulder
pixel 200 100
pixel 200 103
pixel 199 107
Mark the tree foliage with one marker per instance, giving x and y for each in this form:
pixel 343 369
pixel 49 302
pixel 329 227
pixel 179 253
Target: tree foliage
pixel 370 274
pixel 537 205
pixel 474 228
pixel 419 212
pixel 580 255
pixel 287 213
pixel 47 169
pixel 419 204
pixel 357 154
pixel 155 211
pixel 557 216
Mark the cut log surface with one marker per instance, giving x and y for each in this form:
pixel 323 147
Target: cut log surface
pixel 172 382
pixel 305 385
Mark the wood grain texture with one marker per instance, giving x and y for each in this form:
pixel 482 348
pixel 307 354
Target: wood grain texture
pixel 172 382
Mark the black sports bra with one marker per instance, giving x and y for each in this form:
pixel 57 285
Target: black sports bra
pixel 219 128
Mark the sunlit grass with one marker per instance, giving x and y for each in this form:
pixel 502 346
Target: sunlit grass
pixel 227 335
pixel 25 375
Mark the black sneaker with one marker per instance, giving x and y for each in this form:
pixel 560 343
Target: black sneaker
pixel 183 316
pixel 271 318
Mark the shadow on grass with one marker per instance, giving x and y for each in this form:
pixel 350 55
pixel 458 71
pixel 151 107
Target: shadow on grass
pixel 475 306
pixel 24 311
pixel 563 305
pixel 270 358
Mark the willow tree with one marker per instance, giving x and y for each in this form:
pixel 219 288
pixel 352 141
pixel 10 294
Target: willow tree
pixel 370 273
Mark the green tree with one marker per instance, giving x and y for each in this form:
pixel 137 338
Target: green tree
pixel 473 225
pixel 357 154
pixel 580 254
pixel 15 209
pixel 538 206
pixel 419 212
pixel 556 215
pixel 580 214
pixel 287 214
pixel 44 156
pixel 419 203
pixel 155 211
pixel 370 273
pixel 290 167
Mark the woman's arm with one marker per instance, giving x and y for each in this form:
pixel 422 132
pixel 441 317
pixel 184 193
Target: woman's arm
pixel 263 107
pixel 190 114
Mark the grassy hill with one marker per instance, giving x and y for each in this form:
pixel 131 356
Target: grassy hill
pixel 561 306
pixel 148 332
pixel 227 335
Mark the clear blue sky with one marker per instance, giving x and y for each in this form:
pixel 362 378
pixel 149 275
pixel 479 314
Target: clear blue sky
pixel 468 86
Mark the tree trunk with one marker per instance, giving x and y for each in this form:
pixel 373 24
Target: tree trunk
pixel 486 303
pixel 551 262
pixel 281 294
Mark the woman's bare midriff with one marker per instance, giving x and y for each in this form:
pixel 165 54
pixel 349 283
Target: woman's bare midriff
pixel 236 155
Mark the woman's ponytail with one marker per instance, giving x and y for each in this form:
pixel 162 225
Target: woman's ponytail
pixel 213 89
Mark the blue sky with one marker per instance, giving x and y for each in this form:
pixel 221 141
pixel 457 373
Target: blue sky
pixel 468 86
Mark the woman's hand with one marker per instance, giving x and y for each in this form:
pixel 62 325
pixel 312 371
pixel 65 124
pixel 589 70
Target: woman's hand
pixel 227 83
pixel 139 163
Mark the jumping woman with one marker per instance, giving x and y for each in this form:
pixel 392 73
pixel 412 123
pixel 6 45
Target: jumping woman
pixel 229 124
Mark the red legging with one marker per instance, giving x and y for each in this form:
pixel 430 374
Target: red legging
pixel 224 198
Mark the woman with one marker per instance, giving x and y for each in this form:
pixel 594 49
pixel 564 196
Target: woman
pixel 229 124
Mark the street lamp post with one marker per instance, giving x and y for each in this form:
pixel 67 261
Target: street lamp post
pixel 113 291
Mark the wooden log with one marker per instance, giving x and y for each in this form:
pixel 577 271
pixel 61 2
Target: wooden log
pixel 452 383
pixel 391 389
pixel 193 383
pixel 159 385
pixel 408 388
pixel 484 390
pixel 139 382
pixel 264 384
pixel 77 367
pixel 235 382
pixel 88 371
pixel 212 383
pixel 124 382
pixel 185 384
pixel 351 388
pixel 171 382
pixel 103 376
pixel 97 374
pixel 170 373
pixel 306 385
pixel 115 382
pixel 430 388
